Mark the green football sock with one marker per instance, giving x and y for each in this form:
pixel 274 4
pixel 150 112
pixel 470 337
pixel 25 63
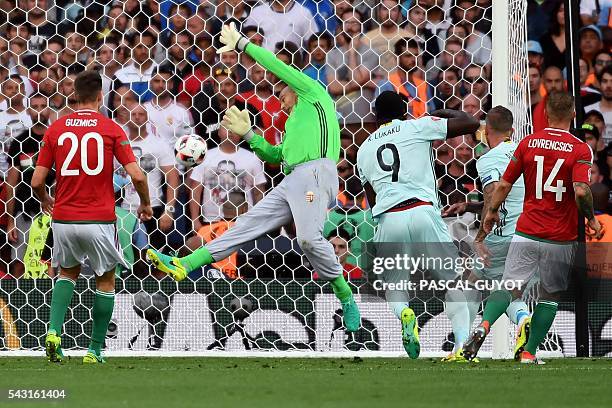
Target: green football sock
pixel 541 320
pixel 101 313
pixel 197 259
pixel 496 306
pixel 62 295
pixel 341 289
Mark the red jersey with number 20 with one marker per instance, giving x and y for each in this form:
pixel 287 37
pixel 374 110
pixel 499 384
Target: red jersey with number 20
pixel 82 146
pixel 550 161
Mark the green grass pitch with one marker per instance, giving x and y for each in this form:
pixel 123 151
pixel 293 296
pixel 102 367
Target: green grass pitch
pixel 300 382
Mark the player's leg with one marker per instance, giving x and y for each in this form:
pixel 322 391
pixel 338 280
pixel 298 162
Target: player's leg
pixel 393 238
pixel 521 265
pixel 310 189
pixel 101 244
pixel 555 264
pixel 101 313
pixel 271 213
pixel 66 256
pixel 429 230
pixel 517 311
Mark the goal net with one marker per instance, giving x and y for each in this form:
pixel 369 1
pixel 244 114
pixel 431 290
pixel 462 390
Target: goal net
pixel 161 80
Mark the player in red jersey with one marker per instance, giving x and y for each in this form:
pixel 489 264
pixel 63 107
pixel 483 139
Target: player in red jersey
pixel 82 147
pixel 556 167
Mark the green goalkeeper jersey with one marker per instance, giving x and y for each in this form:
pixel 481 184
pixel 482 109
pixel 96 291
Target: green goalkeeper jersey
pixel 311 131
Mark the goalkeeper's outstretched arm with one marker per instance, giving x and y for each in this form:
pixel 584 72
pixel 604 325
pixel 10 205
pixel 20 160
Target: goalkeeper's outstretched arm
pixel 296 80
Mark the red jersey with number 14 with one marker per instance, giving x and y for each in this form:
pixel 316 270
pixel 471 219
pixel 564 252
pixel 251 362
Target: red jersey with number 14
pixel 550 161
pixel 82 146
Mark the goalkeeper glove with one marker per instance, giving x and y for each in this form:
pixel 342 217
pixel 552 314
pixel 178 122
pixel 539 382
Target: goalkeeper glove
pixel 231 39
pixel 238 122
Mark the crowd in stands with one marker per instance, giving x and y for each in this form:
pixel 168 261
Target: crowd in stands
pixel 163 79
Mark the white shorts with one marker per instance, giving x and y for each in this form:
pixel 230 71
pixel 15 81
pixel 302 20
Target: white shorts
pixel 552 261
pixel 73 244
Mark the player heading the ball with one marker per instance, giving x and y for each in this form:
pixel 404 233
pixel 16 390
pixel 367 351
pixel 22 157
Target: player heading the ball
pixel 82 146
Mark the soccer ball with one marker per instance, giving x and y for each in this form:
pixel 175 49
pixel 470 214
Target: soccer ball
pixel 190 150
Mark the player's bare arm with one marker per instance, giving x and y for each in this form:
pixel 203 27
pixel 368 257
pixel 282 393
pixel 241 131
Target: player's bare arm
pixel 499 196
pixel 38 187
pixel 459 123
pixel 139 180
pixel 370 194
pixel 584 201
pixel 462 208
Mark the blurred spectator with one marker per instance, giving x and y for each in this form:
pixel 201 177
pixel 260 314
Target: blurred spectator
pixel 605 104
pixel 22 206
pixel 201 79
pixel 169 119
pixel 453 56
pixel 601 61
pixel 18 34
pixel 119 100
pixel 541 15
pixel 448 90
pixel 477 44
pixel 105 62
pixel 318 47
pixel 535 54
pixel 14 120
pixel 596 119
pixel 283 20
pixel 179 52
pixel 207 110
pixel 226 169
pixel 353 66
pixel 48 81
pixel 323 12
pixel 196 24
pixel 424 37
pixel 137 74
pixel 476 82
pixel 591 42
pixel 340 238
pixel 117 21
pixel 353 216
pixel 535 83
pixel 408 80
pixel 597 175
pixel 473 105
pixel 552 81
pixel 267 104
pixel 553 42
pixel 233 206
pixel 49 57
pixel 231 10
pixel 600 153
pixel 231 61
pixel 436 21
pixel 177 19
pixel 456 174
pixel 387 31
pixel 596 12
pixel 42 28
pixel 74 51
pixel 256 36
pixel 157 161
pixel 588 94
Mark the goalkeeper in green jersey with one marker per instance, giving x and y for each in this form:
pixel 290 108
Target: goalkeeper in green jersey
pixel 308 153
